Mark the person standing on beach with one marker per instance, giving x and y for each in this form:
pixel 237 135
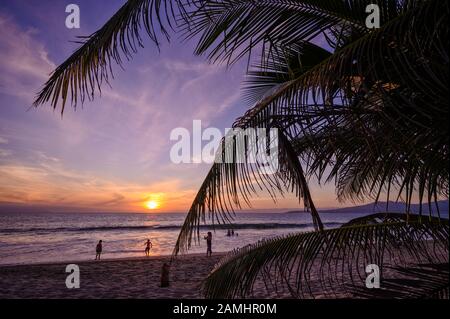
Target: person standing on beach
pixel 98 250
pixel 148 246
pixel 208 239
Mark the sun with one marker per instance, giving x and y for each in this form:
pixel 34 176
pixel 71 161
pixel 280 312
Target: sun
pixel 152 204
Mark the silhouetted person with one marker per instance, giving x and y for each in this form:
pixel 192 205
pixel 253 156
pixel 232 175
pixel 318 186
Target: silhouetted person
pixel 98 250
pixel 208 239
pixel 228 233
pixel 148 246
pixel 232 232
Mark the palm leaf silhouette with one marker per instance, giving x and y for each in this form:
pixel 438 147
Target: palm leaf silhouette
pixel 90 66
pixel 329 263
pixel 229 184
pixel 365 109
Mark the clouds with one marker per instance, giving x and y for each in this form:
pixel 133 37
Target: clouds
pixel 24 62
pixel 54 184
pixel 114 152
pixel 5 153
pixel 111 153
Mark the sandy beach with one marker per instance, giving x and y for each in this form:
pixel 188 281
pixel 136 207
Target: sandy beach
pixel 120 278
pixel 139 278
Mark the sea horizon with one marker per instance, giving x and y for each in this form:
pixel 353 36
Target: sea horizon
pixel 355 208
pixel 30 238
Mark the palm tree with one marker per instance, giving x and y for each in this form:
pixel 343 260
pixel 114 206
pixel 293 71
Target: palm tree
pixel 363 108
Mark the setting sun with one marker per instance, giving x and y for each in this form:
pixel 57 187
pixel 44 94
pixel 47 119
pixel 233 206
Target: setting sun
pixel 152 204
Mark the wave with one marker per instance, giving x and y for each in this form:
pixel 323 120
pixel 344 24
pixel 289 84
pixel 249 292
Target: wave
pixel 164 227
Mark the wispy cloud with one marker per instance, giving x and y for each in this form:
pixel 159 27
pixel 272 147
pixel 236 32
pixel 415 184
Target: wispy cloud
pixel 24 62
pixel 5 153
pixel 60 187
pixel 112 153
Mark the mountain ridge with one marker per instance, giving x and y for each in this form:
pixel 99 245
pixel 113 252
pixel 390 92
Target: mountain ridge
pixel 393 207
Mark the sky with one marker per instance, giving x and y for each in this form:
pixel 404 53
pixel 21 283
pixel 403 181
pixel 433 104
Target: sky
pixel 111 154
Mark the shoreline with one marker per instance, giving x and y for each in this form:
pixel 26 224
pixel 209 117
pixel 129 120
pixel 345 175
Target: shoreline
pixel 86 261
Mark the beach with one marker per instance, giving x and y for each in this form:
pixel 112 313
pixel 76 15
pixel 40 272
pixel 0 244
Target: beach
pixel 36 248
pixel 137 278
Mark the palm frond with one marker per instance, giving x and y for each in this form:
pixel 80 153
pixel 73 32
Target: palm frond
pixel 230 29
pixel 331 263
pixel 90 66
pixel 278 65
pixel 360 114
pixel 423 281
pixel 372 117
pixel 231 183
pixel 351 68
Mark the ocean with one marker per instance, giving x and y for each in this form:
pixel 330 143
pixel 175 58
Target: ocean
pixel 27 238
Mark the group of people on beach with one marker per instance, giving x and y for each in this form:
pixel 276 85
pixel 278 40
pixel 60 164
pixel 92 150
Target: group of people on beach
pixel 149 245
pixel 99 249
pixel 231 233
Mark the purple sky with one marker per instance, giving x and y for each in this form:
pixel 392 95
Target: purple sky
pixel 111 154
